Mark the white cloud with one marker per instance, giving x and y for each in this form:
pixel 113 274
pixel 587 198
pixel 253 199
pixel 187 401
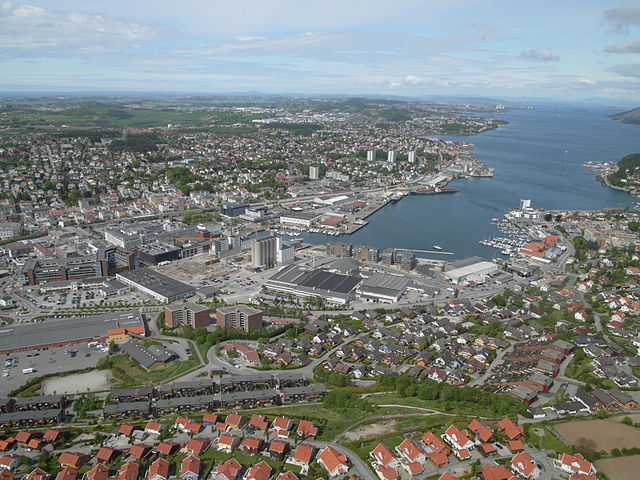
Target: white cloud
pixel 31 30
pixel 539 55
pixel 628 47
pixel 621 18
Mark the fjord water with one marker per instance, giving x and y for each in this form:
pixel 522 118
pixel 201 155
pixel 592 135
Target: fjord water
pixel 538 155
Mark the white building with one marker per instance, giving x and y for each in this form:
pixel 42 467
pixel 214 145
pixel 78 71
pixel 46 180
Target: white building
pixel 300 219
pixel 412 157
pixel 476 272
pixel 371 155
pixel 392 156
pixel 314 173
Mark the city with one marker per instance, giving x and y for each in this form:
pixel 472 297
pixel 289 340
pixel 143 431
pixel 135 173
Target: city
pixel 310 242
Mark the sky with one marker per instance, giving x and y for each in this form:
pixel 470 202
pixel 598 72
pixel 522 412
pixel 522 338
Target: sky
pixel 573 50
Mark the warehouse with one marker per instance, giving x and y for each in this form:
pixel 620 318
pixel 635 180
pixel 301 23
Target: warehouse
pixel 381 287
pixel 476 272
pixel 300 219
pixel 158 285
pixel 334 288
pixel 148 357
pixel 59 332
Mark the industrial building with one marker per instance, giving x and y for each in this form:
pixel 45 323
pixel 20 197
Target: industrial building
pixel 189 313
pixel 156 284
pixel 300 219
pixel 59 332
pixel 474 270
pixel 382 287
pixel 240 317
pixel 263 251
pixel 333 288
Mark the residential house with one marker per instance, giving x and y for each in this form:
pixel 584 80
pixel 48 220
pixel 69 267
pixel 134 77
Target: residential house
pixel 334 462
pixel 259 471
pixel 229 470
pixel 525 465
pixel 574 464
pixel 190 468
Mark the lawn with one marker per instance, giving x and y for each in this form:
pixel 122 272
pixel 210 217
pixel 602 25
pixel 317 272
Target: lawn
pixel 462 408
pixel 545 439
pixel 129 374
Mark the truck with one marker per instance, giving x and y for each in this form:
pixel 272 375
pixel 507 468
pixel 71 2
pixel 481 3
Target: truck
pixel 28 370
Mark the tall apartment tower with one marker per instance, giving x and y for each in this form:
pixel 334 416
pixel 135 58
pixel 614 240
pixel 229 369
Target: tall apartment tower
pixel 371 156
pixel 314 172
pixel 264 252
pixel 391 156
pixel 240 317
pixel 412 157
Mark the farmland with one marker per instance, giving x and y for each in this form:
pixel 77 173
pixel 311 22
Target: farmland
pixel 623 468
pixel 608 434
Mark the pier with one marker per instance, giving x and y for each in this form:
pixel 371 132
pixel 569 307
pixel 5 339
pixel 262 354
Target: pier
pixel 439 252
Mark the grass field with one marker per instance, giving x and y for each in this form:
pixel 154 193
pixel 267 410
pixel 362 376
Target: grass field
pixel 129 374
pixel 608 434
pixel 451 407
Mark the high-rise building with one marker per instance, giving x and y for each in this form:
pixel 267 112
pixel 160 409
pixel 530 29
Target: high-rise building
pixel 240 317
pixel 314 173
pixel 412 157
pixel 263 252
pixel 188 313
pixel 371 156
pixel 339 249
pixel 388 257
pixel 391 156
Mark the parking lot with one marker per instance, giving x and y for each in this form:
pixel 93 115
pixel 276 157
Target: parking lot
pixel 52 360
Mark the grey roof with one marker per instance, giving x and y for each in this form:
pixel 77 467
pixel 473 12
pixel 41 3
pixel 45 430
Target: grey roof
pixel 35 415
pixel 314 389
pixel 195 384
pixel 147 357
pixel 131 392
pixel 157 282
pixel 186 401
pixel 52 331
pixel 252 395
pixel 384 284
pixel 315 281
pixel 21 401
pixel 621 396
pixel 464 263
pixel 115 408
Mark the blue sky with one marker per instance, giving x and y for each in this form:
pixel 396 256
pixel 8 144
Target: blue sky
pixel 570 50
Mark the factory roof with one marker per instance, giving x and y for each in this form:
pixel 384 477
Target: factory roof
pixel 156 282
pixel 52 331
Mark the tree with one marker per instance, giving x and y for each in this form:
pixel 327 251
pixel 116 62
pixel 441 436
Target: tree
pixel 113 348
pixel 586 447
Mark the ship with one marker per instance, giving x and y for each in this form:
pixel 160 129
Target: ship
pixel 437 247
pixel 432 191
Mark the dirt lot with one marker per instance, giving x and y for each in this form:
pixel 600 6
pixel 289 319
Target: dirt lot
pixel 623 468
pixel 372 430
pixel 80 383
pixel 607 434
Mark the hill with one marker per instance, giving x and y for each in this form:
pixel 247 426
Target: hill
pixel 630 116
pixel 627 173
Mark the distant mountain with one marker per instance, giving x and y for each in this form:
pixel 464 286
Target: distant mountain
pixel 630 116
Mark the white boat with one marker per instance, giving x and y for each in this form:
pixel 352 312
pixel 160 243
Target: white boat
pixel 437 247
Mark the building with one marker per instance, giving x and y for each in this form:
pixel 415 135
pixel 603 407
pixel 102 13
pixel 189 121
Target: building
pixel 314 172
pixel 234 209
pixel 148 357
pixel 371 155
pixel 188 313
pixel 263 251
pixel 392 156
pixel 36 271
pixel 474 272
pixel 9 230
pixel 240 317
pixel 156 284
pixel 412 157
pixel 67 331
pixel 381 287
pixel 300 219
pixel 334 288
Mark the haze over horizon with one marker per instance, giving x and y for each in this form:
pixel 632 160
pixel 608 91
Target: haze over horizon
pixel 570 51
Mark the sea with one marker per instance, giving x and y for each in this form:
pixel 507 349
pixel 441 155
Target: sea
pixel 538 155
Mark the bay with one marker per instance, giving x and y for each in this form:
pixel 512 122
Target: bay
pixel 537 155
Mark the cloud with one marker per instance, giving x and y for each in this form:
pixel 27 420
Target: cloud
pixel 627 70
pixel 539 55
pixel 628 47
pixel 621 18
pixel 30 30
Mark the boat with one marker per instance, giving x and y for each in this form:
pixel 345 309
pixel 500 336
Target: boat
pixel 437 247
